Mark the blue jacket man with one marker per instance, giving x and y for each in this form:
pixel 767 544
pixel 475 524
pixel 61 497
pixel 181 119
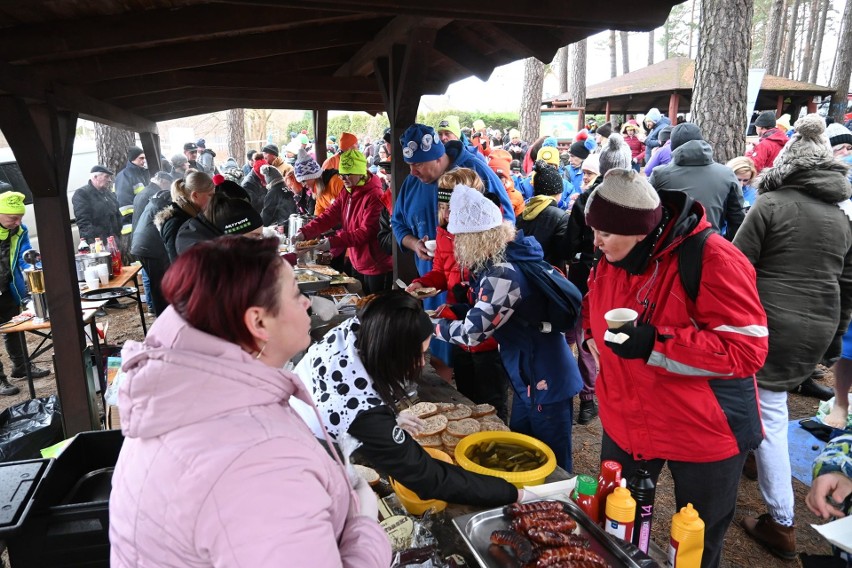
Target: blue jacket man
pixel 14 242
pixel 654 122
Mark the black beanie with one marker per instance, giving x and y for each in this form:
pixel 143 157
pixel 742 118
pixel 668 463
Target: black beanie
pixel 683 133
pixel 665 134
pixel 604 130
pixel 233 190
pixel 579 150
pixel 235 217
pixel 547 180
pixel 766 119
pixel 134 152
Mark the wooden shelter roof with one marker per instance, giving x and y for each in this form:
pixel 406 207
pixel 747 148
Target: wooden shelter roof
pixel 651 86
pixel 138 61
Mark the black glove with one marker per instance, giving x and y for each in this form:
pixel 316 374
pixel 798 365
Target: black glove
pixel 460 310
pixel 639 344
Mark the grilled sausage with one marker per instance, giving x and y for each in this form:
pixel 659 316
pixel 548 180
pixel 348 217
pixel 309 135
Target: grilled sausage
pixel 552 539
pixel 520 545
pixel 516 509
pixel 549 557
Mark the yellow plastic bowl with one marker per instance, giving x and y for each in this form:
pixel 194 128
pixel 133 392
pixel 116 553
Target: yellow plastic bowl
pixel 516 478
pixel 410 500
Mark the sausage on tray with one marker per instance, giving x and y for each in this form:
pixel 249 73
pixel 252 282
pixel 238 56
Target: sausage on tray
pixel 549 557
pixel 516 509
pixel 520 545
pixel 553 539
pixel 562 523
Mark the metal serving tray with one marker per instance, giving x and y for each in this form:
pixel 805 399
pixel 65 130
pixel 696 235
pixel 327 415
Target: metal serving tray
pixel 476 529
pixel 322 281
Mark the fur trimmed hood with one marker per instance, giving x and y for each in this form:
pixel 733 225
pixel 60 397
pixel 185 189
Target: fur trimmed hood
pixel 824 178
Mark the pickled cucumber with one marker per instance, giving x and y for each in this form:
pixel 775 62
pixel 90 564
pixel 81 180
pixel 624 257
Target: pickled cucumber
pixel 502 456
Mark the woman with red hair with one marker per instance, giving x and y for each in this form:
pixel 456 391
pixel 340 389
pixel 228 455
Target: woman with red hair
pixel 216 468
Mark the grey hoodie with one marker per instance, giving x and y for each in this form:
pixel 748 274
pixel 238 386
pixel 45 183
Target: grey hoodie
pixel 713 185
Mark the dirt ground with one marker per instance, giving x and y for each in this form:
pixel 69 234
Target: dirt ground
pixel 740 550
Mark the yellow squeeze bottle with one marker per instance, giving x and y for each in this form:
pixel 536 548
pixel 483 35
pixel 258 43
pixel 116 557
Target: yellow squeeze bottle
pixel 687 540
pixel 620 512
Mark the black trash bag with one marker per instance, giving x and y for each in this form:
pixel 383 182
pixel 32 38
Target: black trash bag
pixel 28 427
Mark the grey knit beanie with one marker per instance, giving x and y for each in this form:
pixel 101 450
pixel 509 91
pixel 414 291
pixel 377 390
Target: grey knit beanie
pixel 615 153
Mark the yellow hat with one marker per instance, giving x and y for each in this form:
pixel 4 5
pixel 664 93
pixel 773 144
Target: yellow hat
pixel 352 162
pixel 549 155
pixel 478 124
pixel 12 203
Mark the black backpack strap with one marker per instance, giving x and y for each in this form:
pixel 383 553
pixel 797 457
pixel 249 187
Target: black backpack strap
pixel 690 255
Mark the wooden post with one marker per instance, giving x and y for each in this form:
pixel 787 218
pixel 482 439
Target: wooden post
pixel 779 107
pixel 674 100
pixel 42 139
pixel 812 106
pixel 151 146
pixel 320 135
pixel 607 112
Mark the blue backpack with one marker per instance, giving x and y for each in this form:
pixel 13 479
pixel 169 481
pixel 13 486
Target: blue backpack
pixel 562 297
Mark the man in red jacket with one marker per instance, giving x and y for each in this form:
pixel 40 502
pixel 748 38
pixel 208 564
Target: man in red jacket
pixel 771 141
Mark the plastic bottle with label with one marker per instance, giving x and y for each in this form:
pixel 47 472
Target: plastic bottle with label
pixel 608 480
pixel 83 247
pixel 112 247
pixel 620 512
pixel 642 489
pixel 99 245
pixel 687 539
pixel 585 495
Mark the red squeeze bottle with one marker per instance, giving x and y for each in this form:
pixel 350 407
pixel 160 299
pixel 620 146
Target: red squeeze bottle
pixel 585 495
pixel 112 247
pixel 609 479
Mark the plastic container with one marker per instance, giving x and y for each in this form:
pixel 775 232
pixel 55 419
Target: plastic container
pixel 585 495
pixel 687 539
pixel 620 512
pixel 609 479
pixel 643 490
pixel 115 255
pixel 517 478
pixel 410 500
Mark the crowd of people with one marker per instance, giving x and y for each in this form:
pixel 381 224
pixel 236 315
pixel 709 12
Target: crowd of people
pixel 718 261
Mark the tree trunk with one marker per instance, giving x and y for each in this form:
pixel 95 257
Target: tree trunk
pixel 842 66
pixel 625 53
pixel 529 117
pixel 562 68
pixel 691 27
pixel 651 48
pixel 613 66
pixel 578 72
pixel 112 144
pixel 257 120
pixel 791 40
pixel 236 128
pixel 823 14
pixel 721 75
pixel 806 53
pixel 667 37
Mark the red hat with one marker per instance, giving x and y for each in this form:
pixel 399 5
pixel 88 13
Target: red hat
pixel 347 141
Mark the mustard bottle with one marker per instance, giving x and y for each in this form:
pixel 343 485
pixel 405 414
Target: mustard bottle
pixel 620 512
pixel 687 539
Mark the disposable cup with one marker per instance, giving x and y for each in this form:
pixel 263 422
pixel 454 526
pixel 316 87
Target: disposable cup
pixel 619 317
pixel 93 283
pixel 431 246
pixel 103 273
pixel 91 273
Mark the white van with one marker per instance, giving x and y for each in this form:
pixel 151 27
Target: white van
pixel 85 156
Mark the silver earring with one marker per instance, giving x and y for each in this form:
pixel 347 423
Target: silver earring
pixel 259 353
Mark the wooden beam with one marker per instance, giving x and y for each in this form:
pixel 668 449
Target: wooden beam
pixel 36 133
pixel 320 118
pixel 23 83
pixel 151 100
pixel 151 146
pixel 283 80
pixel 208 52
pixel 104 34
pixel 456 46
pixel 627 15
pixel 196 106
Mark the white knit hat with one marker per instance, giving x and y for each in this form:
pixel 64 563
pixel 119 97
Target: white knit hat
pixel 306 168
pixel 472 212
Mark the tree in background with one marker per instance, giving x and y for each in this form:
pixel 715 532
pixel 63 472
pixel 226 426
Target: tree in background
pixel 236 134
pixel 842 67
pixel 613 59
pixel 578 73
pixel 625 52
pixel 529 116
pixel 112 144
pixel 677 31
pixel 721 75
pixel 820 33
pixel 560 62
pixel 790 44
pixel 258 120
pixel 650 48
pixel 772 43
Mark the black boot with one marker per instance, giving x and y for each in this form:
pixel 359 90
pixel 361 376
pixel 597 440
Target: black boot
pixel 588 411
pixel 20 372
pixel 7 388
pixel 813 389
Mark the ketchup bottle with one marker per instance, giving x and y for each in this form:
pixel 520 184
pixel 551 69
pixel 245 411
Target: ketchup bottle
pixel 585 495
pixel 609 479
pixel 112 247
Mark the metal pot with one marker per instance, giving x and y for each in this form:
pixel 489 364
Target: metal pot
pixel 84 261
pixel 81 260
pixel 295 223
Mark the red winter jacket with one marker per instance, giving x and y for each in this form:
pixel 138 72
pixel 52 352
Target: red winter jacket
pixel 358 213
pixel 695 398
pixel 445 274
pixel 766 150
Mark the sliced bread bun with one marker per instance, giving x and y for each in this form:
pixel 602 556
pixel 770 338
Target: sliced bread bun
pixel 459 412
pixel 429 441
pixel 493 426
pixel 444 407
pixel 450 442
pixel 369 474
pixel 463 427
pixel 434 425
pixel 482 410
pixel 423 409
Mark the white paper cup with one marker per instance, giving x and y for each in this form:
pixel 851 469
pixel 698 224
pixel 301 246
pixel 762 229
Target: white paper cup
pixel 431 246
pixel 619 317
pixel 103 273
pixel 93 283
pixel 90 273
